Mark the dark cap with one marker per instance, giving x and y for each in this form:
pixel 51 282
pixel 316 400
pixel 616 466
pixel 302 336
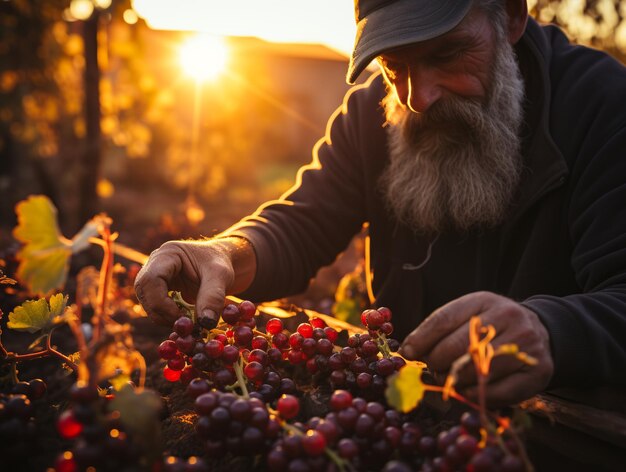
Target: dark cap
pixel 387 24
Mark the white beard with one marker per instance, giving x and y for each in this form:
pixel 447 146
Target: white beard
pixel 457 166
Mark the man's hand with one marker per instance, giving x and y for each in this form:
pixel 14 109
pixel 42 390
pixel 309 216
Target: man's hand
pixel 444 336
pixel 203 271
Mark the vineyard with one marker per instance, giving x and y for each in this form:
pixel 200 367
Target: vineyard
pixel 89 383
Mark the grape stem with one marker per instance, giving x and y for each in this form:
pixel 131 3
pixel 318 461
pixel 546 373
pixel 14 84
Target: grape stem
pixel 238 368
pixel 13 358
pixel 383 345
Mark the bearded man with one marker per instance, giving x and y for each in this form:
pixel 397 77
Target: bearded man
pixel 488 161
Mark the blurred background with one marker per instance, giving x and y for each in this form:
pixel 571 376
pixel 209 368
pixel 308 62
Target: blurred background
pixel 177 118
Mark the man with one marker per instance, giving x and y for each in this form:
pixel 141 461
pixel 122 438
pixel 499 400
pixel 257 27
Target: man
pixel 489 161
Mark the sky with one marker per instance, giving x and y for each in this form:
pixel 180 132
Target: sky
pixel 328 22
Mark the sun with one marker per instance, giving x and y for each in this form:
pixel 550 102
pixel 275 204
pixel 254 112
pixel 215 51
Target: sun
pixel 204 57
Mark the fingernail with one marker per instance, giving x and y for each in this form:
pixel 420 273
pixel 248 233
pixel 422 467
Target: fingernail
pixel 208 319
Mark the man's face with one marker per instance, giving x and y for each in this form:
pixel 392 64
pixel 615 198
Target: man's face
pixel 455 64
pixel 454 110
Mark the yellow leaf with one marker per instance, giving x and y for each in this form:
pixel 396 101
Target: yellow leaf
pixel 44 259
pixel 405 389
pixel 36 315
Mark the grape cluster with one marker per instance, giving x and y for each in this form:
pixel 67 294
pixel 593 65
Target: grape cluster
pixel 245 384
pixel 364 434
pixel 98 437
pixel 268 361
pixel 364 364
pixel 226 422
pixel 17 425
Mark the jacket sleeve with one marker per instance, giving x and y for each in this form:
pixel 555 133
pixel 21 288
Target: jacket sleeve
pixel 315 220
pixel 588 330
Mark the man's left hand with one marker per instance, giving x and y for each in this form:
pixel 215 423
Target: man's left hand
pixel 444 336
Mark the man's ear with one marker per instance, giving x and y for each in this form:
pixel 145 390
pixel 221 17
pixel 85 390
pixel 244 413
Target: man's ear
pixel 517 12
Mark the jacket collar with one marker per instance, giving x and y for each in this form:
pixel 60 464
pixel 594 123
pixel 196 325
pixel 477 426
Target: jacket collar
pixel 545 166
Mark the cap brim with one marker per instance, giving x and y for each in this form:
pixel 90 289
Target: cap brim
pixel 402 23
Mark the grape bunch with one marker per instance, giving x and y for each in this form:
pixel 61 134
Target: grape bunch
pixel 364 364
pixel 248 385
pixel 355 431
pixel 462 447
pixel 190 353
pixel 98 436
pixel 241 426
pixel 235 351
pixel 17 425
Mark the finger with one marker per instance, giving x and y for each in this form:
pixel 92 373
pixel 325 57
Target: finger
pixel 213 286
pixel 501 367
pixel 456 343
pixel 151 287
pixel 441 323
pixel 514 388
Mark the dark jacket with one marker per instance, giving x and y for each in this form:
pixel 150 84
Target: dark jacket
pixel 561 251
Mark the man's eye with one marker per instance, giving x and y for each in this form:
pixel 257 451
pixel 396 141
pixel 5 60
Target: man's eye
pixel 448 56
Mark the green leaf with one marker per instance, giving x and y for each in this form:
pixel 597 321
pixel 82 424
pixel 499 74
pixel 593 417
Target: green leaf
pixel 36 315
pixel 405 389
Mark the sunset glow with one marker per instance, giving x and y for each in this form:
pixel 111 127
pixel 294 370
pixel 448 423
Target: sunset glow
pixel 204 57
pixel 328 22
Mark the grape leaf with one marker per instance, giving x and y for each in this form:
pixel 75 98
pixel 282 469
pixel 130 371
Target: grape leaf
pixel 139 412
pixel 44 258
pixel 36 315
pixel 405 389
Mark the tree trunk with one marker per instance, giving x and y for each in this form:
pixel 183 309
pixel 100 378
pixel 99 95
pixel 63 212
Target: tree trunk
pixel 90 162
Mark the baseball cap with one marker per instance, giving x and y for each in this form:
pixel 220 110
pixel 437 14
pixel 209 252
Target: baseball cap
pixel 387 24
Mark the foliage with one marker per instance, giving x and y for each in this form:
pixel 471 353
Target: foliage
pixel 39 315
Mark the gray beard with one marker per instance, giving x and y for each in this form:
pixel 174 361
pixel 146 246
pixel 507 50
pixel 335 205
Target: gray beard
pixel 457 166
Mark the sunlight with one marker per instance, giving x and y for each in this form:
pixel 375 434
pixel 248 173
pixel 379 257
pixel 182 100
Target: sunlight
pixel 327 22
pixel 204 57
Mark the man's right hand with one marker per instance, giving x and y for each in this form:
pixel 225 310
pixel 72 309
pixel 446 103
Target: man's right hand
pixel 203 271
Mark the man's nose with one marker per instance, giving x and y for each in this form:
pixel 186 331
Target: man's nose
pixel 424 88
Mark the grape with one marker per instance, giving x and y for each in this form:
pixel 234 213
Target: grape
pixel 243 335
pixel 171 375
pixel 247 310
pixel 347 448
pixel 331 334
pixel 197 387
pixel 205 403
pixel 254 371
pixel 68 426
pixel 288 406
pixel 274 326
pixel 305 329
pixel 259 342
pixel 185 343
pixel 214 349
pixel 230 354
pixel 231 314
pixel 176 363
pixel 340 400
pixel 374 319
pixel 183 326
pixel 38 388
pixel 314 443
